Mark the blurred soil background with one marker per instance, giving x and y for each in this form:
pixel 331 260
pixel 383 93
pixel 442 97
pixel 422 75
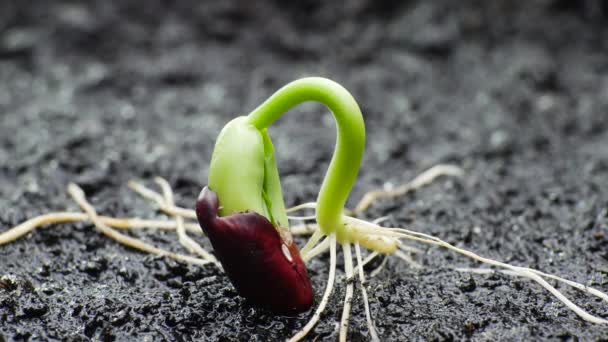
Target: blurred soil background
pixel 100 92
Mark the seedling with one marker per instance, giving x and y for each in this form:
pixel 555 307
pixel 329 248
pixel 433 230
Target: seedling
pixel 243 213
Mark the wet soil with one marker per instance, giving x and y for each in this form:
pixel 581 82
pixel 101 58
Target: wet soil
pixel 102 92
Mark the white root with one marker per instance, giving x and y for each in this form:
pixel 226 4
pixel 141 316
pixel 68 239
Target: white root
pixel 304 229
pixel 369 258
pixel 381 219
pixel 312 241
pixel 79 196
pixel 409 249
pixel 576 285
pixel 32 224
pixel 301 218
pixel 308 205
pixel 368 315
pixel 521 271
pixel 191 245
pixel 348 298
pixel 328 290
pixel 421 180
pixel 378 269
pixel 154 196
pixel 35 222
pixel 318 249
pixel 408 259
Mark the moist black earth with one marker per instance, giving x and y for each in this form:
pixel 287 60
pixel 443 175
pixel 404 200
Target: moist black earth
pixel 101 92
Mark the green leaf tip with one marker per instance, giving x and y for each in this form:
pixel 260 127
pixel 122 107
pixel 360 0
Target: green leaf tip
pixel 243 173
pixel 243 169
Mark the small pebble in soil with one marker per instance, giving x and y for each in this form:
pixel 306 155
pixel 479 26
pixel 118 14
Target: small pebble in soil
pixel 467 285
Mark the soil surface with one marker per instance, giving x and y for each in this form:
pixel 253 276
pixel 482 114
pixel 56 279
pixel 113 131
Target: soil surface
pixel 102 92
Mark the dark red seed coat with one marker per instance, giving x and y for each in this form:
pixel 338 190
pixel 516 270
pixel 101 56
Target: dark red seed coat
pixel 264 265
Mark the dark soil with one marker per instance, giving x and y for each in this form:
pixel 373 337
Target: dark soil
pixel 99 93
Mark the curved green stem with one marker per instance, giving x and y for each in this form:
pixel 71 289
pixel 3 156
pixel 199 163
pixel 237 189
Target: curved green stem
pixel 350 141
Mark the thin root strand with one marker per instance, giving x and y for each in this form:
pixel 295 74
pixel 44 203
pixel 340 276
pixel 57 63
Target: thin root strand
pixel 78 196
pixel 328 290
pixel 421 180
pixel 34 223
pixel 368 315
pixel 348 298
pixel 521 271
pixel 191 245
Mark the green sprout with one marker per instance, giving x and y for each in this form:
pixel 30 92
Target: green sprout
pixel 243 170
